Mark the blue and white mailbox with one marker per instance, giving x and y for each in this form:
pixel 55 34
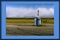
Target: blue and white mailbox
pixel 37 19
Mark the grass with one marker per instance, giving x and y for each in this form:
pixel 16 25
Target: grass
pixel 29 20
pixel 20 20
pixel 25 26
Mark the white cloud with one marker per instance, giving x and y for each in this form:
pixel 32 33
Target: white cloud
pixel 46 12
pixel 28 12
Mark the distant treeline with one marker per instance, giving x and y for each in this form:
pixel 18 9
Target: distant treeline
pixel 19 18
pixel 28 18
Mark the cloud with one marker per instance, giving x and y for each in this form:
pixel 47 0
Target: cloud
pixel 23 12
pixel 46 12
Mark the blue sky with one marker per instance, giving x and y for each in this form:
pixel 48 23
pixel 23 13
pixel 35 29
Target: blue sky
pixel 30 4
pixel 29 9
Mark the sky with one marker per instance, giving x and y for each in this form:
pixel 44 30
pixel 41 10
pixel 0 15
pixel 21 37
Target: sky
pixel 29 9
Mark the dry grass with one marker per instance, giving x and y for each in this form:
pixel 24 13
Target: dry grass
pixel 24 26
pixel 29 20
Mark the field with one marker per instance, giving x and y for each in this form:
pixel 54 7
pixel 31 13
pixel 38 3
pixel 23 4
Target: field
pixel 24 26
pixel 29 20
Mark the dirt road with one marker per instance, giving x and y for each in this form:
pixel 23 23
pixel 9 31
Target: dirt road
pixel 30 30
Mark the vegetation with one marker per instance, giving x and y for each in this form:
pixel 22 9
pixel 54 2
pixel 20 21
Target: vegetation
pixel 19 29
pixel 29 20
pixel 47 20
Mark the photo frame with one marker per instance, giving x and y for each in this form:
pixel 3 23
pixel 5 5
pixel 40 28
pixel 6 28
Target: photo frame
pixel 56 23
